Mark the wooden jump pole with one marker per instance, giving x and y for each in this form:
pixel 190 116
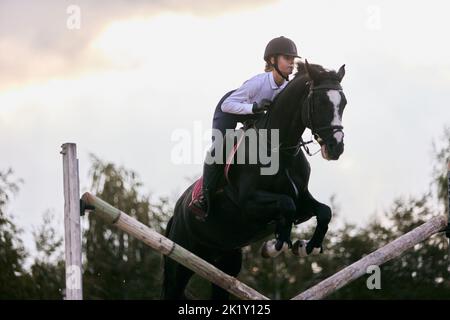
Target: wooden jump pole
pixel 378 257
pixel 124 222
pixel 72 230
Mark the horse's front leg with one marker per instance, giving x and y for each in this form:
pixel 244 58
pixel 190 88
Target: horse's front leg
pixel 263 207
pixel 323 214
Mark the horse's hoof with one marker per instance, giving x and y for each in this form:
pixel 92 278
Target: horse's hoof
pixel 315 251
pixel 268 249
pixel 299 249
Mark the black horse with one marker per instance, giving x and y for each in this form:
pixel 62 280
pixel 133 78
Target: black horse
pixel 253 206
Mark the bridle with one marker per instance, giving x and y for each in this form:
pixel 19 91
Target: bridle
pixel 307 117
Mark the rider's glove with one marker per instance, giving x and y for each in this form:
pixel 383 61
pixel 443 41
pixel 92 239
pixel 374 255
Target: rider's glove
pixel 262 106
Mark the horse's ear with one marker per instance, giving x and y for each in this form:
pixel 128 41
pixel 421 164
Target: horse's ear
pixel 341 73
pixel 311 72
pixel 306 65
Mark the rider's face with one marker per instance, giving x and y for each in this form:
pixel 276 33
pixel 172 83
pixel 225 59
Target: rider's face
pixel 286 64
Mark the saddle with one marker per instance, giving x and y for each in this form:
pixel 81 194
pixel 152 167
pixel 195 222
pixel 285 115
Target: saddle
pixel 197 190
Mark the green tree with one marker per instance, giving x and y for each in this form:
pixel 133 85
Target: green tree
pixel 48 268
pixel 118 266
pixel 442 158
pixel 14 282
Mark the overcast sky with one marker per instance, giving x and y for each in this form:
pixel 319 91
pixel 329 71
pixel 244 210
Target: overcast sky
pixel 136 72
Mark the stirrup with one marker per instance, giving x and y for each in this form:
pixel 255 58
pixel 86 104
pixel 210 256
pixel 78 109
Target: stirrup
pixel 200 211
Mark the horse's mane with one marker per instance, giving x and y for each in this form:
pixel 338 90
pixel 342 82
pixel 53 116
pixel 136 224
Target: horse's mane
pixel 323 73
pixel 301 77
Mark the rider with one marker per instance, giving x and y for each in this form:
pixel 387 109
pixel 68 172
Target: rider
pixel 247 102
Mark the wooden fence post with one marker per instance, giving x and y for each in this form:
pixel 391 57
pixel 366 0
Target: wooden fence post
pixel 72 230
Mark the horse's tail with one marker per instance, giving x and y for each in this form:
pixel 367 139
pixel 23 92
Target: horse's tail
pixel 172 227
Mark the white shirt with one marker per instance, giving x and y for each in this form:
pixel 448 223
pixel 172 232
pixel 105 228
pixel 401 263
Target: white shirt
pixel 261 86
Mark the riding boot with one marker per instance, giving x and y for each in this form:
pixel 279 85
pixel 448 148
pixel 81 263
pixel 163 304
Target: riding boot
pixel 211 175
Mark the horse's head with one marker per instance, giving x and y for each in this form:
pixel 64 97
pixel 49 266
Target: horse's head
pixel 324 106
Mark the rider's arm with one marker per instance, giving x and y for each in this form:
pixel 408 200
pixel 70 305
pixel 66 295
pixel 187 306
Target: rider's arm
pixel 240 101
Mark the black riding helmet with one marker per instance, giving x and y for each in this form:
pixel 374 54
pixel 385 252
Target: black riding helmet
pixel 280 46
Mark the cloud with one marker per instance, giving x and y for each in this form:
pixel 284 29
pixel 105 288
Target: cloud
pixel 35 42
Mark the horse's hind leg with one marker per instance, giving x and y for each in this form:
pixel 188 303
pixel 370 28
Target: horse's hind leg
pixel 176 277
pixel 229 263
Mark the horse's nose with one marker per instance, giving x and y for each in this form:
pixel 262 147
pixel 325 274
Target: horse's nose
pixel 335 149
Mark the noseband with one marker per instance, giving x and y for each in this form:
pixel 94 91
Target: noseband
pixel 310 107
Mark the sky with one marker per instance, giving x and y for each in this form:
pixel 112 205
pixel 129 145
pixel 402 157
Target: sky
pixel 121 78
